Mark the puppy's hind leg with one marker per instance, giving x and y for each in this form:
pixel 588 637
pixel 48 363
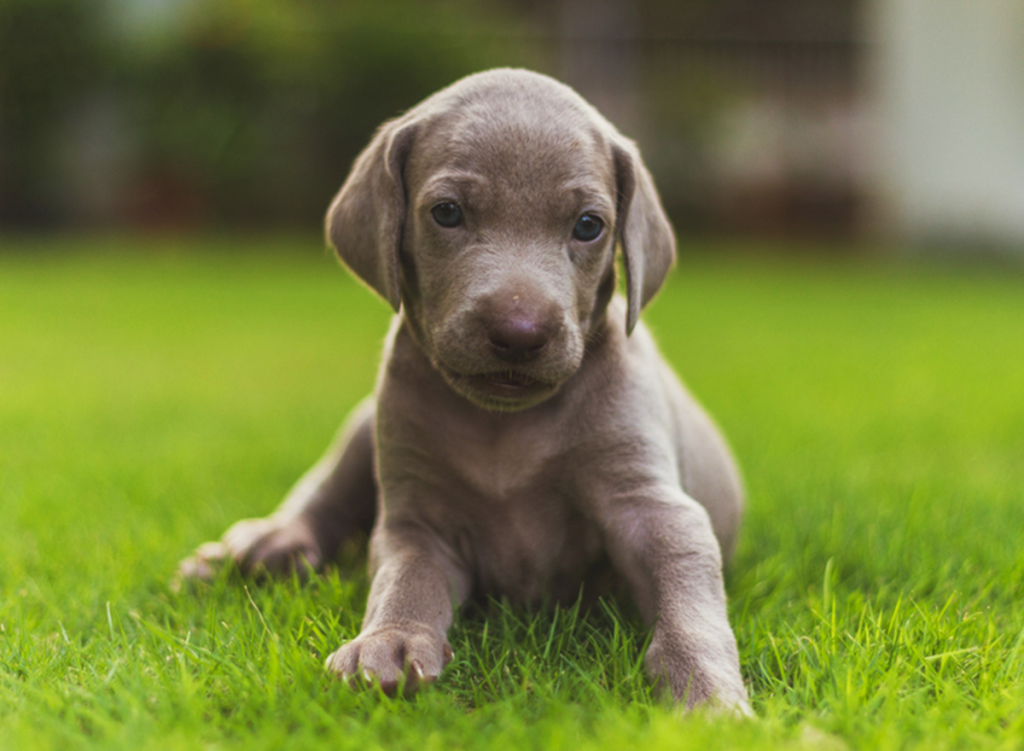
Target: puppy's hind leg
pixel 334 502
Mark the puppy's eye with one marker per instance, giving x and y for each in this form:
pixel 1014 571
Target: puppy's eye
pixel 447 214
pixel 588 227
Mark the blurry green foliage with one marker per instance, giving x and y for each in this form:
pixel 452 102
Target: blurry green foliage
pixel 51 51
pixel 177 113
pixel 230 111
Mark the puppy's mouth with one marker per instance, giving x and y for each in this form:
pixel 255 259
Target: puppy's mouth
pixel 501 389
pixel 507 390
pixel 507 379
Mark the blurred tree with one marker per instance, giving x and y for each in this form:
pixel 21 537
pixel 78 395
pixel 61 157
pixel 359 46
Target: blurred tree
pixel 253 111
pixel 243 112
pixel 52 53
pixel 224 111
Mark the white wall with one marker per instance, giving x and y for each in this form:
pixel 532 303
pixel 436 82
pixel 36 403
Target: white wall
pixel 948 84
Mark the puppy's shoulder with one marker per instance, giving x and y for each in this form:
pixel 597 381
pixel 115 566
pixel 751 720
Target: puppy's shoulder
pixel 623 382
pixel 626 361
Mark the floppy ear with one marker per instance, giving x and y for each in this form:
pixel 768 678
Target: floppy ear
pixel 648 245
pixel 364 223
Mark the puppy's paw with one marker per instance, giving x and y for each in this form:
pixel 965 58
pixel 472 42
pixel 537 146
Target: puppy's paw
pixel 702 672
pixel 202 565
pixel 273 546
pixel 257 546
pixel 393 657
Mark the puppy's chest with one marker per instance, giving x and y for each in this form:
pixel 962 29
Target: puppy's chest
pixel 529 547
pixel 521 527
pixel 500 467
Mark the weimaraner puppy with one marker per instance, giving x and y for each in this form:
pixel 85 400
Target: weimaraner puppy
pixel 526 438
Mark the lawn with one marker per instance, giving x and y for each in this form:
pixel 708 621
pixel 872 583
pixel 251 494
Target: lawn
pixel 154 390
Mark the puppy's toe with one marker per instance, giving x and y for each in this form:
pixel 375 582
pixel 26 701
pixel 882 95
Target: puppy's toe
pixel 366 662
pixel 245 535
pixel 394 659
pixel 201 565
pixel 380 661
pixel 424 661
pixel 699 671
pixel 344 663
pixel 273 546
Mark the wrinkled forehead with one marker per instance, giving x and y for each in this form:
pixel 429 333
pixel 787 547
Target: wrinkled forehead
pixel 515 145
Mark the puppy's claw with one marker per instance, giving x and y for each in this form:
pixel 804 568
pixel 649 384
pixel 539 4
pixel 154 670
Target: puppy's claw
pixel 202 565
pixel 393 659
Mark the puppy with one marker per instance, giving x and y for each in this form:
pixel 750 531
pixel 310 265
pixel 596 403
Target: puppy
pixel 526 438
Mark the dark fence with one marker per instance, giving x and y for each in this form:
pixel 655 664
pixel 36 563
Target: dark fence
pixel 180 113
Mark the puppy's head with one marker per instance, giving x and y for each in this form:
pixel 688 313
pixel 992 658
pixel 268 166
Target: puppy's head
pixel 491 212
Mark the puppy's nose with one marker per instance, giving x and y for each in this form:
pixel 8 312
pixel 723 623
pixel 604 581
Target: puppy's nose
pixel 519 338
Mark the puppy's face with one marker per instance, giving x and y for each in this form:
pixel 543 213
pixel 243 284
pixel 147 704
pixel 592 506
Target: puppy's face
pixel 491 212
pixel 507 250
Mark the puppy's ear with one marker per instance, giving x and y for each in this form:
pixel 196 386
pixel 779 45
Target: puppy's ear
pixel 648 245
pixel 364 223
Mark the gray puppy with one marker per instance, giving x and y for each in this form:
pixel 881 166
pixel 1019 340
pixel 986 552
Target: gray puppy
pixel 526 437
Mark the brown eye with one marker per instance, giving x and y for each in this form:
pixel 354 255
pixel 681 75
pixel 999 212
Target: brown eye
pixel 447 214
pixel 588 228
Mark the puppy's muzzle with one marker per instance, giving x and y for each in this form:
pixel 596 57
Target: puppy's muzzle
pixel 519 325
pixel 519 337
pixel 508 348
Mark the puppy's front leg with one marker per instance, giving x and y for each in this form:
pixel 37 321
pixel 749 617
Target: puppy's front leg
pixel 334 501
pixel 662 542
pixel 415 588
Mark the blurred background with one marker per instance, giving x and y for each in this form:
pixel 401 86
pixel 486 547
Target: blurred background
pixel 790 118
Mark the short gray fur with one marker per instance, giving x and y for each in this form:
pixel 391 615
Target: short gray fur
pixel 571 458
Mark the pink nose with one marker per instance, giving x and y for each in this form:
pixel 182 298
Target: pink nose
pixel 519 338
pixel 517 327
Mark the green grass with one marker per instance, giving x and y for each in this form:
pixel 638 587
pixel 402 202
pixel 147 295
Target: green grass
pixel 153 391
